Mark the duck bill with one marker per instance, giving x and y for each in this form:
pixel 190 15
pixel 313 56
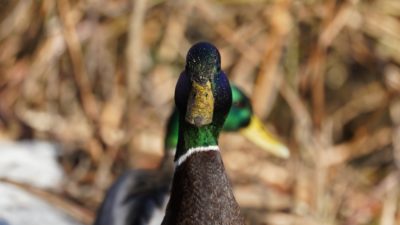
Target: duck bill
pixel 200 106
pixel 259 135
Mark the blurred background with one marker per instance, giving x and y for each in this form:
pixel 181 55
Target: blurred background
pixel 95 79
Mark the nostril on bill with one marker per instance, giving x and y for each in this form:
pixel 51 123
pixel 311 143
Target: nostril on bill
pixel 198 121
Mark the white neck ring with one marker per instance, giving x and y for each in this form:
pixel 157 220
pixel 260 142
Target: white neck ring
pixel 194 150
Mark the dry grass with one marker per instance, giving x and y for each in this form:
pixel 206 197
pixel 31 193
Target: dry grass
pixel 98 76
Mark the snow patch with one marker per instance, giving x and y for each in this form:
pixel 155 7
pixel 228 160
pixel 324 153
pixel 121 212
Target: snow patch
pixel 31 162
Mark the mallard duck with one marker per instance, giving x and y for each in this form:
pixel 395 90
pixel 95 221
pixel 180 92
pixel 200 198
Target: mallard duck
pixel 201 192
pixel 139 197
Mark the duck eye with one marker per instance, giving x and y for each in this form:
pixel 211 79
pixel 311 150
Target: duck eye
pixel 239 104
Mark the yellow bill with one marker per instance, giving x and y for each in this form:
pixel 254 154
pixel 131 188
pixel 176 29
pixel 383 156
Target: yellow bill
pixel 259 135
pixel 200 106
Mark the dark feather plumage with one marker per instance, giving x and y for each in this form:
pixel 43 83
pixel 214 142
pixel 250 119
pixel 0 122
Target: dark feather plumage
pixel 135 196
pixel 202 193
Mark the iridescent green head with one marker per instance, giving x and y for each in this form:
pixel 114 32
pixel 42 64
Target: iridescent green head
pixel 203 98
pixel 241 111
pixel 242 119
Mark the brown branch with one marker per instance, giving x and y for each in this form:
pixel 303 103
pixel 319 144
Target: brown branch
pixel 134 49
pixel 81 78
pixel 357 147
pixel 267 83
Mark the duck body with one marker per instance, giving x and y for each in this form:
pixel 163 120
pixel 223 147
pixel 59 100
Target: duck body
pixel 207 189
pixel 148 197
pixel 138 197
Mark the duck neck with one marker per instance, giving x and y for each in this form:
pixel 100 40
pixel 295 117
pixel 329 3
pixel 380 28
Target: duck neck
pixel 172 132
pixel 194 139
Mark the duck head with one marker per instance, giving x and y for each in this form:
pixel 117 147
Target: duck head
pixel 203 98
pixel 203 64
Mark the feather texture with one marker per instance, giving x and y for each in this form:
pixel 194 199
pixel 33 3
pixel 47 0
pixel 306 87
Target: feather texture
pixel 202 193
